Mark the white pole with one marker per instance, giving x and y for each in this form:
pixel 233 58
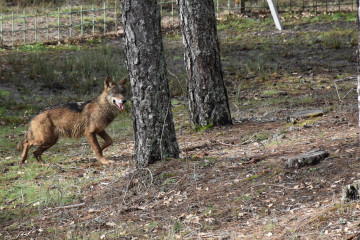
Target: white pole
pixel 275 14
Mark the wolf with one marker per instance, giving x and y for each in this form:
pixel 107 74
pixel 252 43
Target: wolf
pixel 74 120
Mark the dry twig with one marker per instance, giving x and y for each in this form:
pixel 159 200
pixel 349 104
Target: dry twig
pixel 66 207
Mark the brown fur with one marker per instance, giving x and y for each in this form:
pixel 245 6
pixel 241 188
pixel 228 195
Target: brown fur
pixel 76 120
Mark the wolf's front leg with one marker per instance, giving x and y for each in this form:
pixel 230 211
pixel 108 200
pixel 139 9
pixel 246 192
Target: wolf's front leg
pixel 107 139
pixel 91 137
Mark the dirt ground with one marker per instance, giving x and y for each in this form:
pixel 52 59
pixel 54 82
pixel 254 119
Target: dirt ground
pixel 226 188
pixel 230 182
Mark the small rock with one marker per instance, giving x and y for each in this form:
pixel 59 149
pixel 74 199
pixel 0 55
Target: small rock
pixel 110 224
pixel 342 221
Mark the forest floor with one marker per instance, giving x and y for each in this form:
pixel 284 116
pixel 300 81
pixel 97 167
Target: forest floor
pixel 230 182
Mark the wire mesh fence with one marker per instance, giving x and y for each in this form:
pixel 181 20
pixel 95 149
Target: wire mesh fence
pixel 298 5
pixel 58 24
pixel 73 22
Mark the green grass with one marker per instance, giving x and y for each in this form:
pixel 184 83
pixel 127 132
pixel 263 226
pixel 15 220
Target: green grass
pixel 77 70
pixel 9 137
pixel 4 94
pixel 26 190
pixel 270 92
pixel 261 136
pixel 203 128
pixel 305 100
pixel 261 66
pixel 253 178
pixel 239 24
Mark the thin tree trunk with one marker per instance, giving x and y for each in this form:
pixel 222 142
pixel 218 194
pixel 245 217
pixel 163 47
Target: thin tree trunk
pixel 358 56
pixel 208 100
pixel 151 105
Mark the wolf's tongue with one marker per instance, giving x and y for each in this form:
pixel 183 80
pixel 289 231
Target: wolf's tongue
pixel 121 107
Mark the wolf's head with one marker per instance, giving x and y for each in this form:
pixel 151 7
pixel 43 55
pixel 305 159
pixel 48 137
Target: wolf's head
pixel 115 93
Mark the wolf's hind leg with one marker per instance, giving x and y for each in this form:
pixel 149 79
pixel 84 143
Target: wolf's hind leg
pixel 107 139
pixel 24 153
pixel 42 148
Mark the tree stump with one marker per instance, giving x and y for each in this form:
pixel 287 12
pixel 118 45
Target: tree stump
pixel 351 192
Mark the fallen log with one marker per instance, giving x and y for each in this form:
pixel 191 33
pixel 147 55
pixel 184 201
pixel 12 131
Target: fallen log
pixel 310 158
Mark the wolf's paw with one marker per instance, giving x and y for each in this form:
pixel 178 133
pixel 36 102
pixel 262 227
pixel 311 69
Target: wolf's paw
pixel 105 162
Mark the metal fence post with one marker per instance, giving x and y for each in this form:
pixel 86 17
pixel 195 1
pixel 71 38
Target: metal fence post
pixel 12 28
pixel 1 29
pixel 58 23
pixel 93 20
pixel 81 21
pixel 303 5
pixel 172 13
pixel 326 6
pixel 313 5
pixel 36 26
pixel 116 23
pixel 161 10
pixel 104 18
pixel 24 15
pixel 70 24
pixel 242 6
pixel 290 6
pixel 47 26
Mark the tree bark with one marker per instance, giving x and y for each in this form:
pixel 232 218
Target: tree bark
pixel 358 63
pixel 151 104
pixel 208 100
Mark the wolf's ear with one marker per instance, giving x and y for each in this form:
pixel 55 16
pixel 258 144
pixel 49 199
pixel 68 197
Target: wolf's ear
pixel 123 82
pixel 108 83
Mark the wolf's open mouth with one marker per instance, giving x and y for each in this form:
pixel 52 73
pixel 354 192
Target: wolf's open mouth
pixel 119 105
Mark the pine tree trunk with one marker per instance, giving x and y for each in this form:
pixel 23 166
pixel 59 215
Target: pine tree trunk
pixel 151 104
pixel 358 58
pixel 208 100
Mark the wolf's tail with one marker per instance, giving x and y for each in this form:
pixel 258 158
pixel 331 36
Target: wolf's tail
pixel 20 145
